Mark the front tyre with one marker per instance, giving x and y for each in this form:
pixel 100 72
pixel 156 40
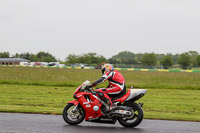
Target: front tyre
pixel 135 118
pixel 71 116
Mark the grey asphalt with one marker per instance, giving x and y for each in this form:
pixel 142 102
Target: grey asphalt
pixel 37 123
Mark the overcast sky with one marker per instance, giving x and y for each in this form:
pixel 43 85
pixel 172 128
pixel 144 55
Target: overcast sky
pixel 107 27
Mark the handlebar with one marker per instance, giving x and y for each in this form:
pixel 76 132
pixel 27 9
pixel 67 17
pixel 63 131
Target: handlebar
pixel 90 90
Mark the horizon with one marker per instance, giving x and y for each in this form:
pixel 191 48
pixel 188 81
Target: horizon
pixel 97 54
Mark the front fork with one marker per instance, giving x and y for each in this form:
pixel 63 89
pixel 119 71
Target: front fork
pixel 75 109
pixel 76 103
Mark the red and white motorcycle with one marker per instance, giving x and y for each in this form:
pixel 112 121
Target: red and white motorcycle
pixel 91 108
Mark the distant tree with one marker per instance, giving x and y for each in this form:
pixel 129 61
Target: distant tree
pixel 136 60
pixel 175 58
pixel 185 60
pixel 25 55
pixel 5 55
pixel 149 60
pixel 160 56
pixel 45 57
pixel 39 57
pixel 93 58
pixel 124 57
pixel 72 58
pixel 166 61
pixel 33 57
pixel 89 58
pixel 16 55
pixel 100 59
pixel 193 55
pixel 198 60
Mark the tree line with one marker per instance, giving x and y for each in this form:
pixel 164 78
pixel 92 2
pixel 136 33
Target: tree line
pixel 185 60
pixel 39 57
pixel 125 59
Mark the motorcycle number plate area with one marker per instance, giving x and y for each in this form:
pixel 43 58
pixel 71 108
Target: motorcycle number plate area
pixel 88 105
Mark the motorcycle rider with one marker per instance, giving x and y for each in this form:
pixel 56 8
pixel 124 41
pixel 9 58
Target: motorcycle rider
pixel 116 87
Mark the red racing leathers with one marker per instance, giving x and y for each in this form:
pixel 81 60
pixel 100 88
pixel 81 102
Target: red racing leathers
pixel 116 85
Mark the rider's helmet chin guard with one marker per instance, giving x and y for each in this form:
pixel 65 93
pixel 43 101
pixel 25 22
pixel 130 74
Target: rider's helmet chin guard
pixel 106 68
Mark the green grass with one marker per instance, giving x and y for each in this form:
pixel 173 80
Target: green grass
pixel 36 99
pixel 74 77
pixel 171 104
pixel 170 95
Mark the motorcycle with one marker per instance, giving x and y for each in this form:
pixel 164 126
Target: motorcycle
pixel 90 107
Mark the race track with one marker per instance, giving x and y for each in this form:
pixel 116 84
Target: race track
pixel 37 123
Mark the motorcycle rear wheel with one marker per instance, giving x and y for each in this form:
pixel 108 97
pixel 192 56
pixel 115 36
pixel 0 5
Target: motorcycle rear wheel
pixel 73 118
pixel 135 119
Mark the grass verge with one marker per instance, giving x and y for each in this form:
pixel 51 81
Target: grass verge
pixel 172 104
pixel 74 77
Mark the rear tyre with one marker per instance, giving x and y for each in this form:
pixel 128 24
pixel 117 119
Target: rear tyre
pixel 135 118
pixel 73 118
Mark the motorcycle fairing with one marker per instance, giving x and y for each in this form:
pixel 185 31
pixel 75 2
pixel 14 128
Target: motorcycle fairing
pixel 75 102
pixel 92 107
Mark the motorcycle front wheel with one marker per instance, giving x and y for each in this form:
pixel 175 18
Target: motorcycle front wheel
pixel 135 118
pixel 71 116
